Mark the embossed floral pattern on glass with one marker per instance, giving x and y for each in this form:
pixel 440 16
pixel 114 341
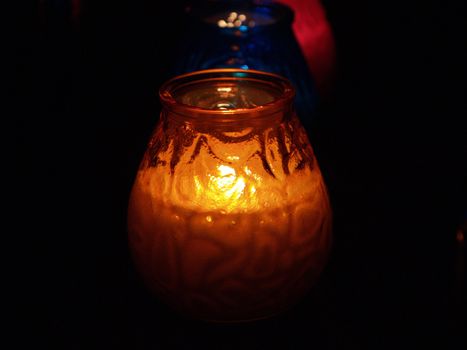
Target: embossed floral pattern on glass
pixel 229 218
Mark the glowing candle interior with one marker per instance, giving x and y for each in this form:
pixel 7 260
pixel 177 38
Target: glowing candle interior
pixel 229 217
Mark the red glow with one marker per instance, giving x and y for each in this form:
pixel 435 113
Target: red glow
pixel 460 237
pixel 315 37
pixel 75 11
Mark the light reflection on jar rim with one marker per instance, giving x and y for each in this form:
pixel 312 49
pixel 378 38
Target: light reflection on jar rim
pixel 284 88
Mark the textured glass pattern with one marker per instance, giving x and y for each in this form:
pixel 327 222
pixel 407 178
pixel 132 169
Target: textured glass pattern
pixel 229 219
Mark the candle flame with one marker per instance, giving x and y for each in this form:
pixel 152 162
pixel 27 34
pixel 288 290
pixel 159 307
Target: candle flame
pixel 225 188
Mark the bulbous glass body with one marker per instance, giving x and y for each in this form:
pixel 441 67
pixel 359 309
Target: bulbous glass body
pixel 229 218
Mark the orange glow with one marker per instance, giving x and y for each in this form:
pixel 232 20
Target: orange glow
pixel 460 237
pixel 229 217
pixel 235 19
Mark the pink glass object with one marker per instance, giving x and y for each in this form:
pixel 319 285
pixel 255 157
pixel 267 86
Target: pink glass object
pixel 315 37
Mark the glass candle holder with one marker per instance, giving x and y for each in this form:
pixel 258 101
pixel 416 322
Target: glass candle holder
pixel 247 35
pixel 229 218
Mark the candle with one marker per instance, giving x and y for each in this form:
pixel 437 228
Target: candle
pixel 229 218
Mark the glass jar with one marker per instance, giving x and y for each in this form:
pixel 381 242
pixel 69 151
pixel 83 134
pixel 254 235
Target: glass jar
pixel 247 35
pixel 229 217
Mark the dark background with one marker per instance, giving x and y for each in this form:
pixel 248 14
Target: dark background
pixel 390 141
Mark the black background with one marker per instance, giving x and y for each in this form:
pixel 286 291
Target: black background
pixel 390 141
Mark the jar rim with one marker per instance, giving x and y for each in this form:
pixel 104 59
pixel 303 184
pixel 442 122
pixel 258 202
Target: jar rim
pixel 284 100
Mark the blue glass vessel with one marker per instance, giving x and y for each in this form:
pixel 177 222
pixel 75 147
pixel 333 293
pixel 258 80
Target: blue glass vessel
pixel 247 35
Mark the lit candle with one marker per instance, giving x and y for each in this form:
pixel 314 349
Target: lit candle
pixel 229 218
